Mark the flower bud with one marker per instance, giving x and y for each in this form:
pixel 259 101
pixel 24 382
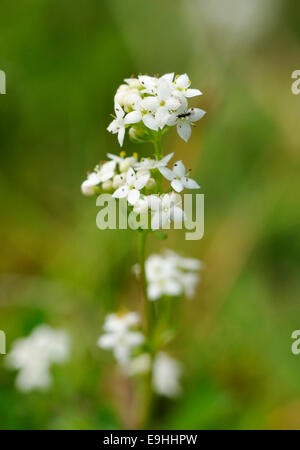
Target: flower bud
pixel 88 190
pixel 107 185
pixel 118 181
pixel 139 133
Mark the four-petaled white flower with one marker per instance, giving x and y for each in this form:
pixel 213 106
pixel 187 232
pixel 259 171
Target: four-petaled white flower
pixel 161 104
pixel 165 208
pixel 172 275
pixel 120 335
pixel 150 85
pixel 131 188
pixel 88 187
pixel 178 177
pixel 181 86
pixel 183 118
pixel 162 278
pixel 34 355
pixel 101 174
pixel 119 123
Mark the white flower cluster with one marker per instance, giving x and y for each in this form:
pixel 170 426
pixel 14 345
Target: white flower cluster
pixel 171 275
pixel 34 355
pixel 109 174
pixel 126 177
pixel 155 103
pixel 122 336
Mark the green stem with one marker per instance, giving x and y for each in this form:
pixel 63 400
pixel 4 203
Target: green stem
pixel 142 258
pixel 149 320
pixel 159 154
pixel 157 147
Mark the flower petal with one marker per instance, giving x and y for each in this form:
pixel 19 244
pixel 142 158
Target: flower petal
pixel 162 116
pixel 122 192
pixel 163 90
pixel 192 93
pixel 177 185
pixel 112 127
pixel 167 173
pixel 173 103
pixel 150 122
pixel 133 196
pixel 121 135
pixel 173 287
pixel 196 114
pixel 119 111
pixel 179 169
pixel 107 340
pixel 141 181
pixel 184 130
pixel 168 77
pixel 135 338
pixel 190 184
pixel 154 291
pixel 182 81
pixel 130 176
pixel 164 161
pixel 133 117
pixel 150 104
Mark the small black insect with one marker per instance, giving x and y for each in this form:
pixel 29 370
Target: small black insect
pixel 186 114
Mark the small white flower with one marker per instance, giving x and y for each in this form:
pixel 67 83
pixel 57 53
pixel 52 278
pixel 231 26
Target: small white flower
pixel 166 375
pixel 128 97
pixel 131 188
pixel 150 85
pixel 162 278
pixel 106 170
pixel 178 177
pixel 150 164
pixel 183 118
pixel 119 123
pixel 162 103
pixel 172 275
pixel 165 208
pixel 89 185
pixel 101 174
pixel 182 84
pixel 120 337
pixel 33 356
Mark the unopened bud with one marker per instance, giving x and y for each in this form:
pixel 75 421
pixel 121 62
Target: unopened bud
pixel 107 185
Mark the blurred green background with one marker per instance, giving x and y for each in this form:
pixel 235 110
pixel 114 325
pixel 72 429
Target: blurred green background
pixel 63 61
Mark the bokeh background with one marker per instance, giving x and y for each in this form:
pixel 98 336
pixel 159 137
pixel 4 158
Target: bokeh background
pixel 63 61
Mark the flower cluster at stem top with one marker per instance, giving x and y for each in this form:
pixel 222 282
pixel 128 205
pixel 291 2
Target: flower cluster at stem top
pixel 146 104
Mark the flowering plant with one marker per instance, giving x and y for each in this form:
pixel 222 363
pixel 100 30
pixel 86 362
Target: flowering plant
pixel 147 107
